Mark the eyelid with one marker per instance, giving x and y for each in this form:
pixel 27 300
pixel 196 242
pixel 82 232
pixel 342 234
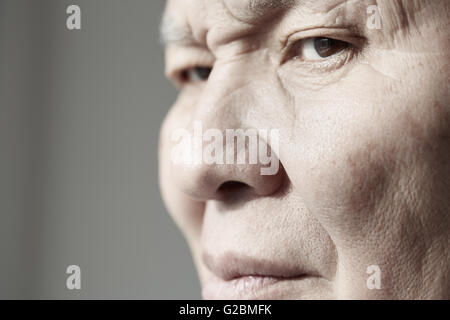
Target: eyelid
pixel 182 58
pixel 196 74
pixel 341 34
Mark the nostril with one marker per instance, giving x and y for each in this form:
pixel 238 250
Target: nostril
pixel 232 187
pixel 233 194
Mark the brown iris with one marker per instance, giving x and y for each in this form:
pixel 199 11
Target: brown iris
pixel 327 47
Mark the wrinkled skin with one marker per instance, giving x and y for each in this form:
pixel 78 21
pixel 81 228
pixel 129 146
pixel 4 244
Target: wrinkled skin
pixel 364 143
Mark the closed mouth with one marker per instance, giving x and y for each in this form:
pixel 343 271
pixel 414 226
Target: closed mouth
pixel 236 276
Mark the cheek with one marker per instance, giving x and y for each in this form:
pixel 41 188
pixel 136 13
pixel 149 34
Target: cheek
pixel 347 184
pixel 348 165
pixel 359 142
pixel 367 172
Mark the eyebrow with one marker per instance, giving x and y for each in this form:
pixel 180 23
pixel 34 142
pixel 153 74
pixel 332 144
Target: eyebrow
pixel 170 31
pixel 262 6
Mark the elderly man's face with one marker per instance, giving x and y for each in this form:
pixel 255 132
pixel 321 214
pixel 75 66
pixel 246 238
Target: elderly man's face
pixel 359 93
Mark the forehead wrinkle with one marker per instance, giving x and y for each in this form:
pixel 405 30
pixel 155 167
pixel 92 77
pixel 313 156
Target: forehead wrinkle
pixel 249 11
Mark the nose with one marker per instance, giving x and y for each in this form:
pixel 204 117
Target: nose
pixel 204 182
pixel 228 151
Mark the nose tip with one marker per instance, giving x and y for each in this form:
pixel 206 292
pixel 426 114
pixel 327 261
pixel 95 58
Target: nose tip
pixel 204 182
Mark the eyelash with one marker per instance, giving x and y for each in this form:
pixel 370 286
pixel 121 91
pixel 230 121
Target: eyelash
pixel 346 52
pixel 203 71
pixel 333 61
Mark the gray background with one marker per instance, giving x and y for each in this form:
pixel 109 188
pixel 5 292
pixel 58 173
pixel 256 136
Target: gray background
pixel 80 113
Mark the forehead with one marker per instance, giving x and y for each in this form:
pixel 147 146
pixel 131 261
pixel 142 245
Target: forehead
pixel 194 17
pixel 248 8
pixel 247 11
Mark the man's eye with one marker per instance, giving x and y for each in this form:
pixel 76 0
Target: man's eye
pixel 196 74
pixel 321 48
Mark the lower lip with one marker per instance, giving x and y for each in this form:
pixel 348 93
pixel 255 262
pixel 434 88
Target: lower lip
pixel 251 288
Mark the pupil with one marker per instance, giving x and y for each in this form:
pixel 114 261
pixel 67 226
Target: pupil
pixel 203 72
pixel 324 46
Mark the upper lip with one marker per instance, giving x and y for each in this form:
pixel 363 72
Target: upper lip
pixel 229 266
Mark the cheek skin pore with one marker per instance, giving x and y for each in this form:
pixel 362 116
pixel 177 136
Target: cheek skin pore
pixel 384 200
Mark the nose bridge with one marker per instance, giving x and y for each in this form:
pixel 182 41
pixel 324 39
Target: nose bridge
pixel 224 99
pixel 220 111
